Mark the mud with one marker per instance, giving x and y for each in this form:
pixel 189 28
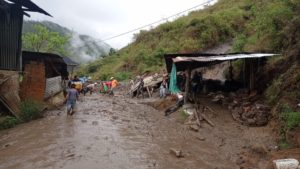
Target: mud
pixel 122 133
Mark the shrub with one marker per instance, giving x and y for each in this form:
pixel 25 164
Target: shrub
pixel 290 118
pixel 273 91
pixel 121 76
pixel 239 43
pixel 30 110
pixel 9 122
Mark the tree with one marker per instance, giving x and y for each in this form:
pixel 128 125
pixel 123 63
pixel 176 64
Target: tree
pixel 112 51
pixel 43 40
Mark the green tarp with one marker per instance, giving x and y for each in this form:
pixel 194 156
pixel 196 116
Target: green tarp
pixel 173 81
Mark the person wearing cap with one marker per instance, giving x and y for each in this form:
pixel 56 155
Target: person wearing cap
pixel 114 84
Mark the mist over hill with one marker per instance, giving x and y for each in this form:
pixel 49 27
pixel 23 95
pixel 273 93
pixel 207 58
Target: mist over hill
pixel 81 48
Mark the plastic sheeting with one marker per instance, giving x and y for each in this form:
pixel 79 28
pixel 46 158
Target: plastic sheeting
pixel 173 81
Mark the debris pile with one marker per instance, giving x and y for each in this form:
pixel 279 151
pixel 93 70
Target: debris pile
pixel 150 82
pixel 247 110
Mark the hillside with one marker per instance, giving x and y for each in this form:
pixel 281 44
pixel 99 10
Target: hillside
pixel 82 48
pixel 251 25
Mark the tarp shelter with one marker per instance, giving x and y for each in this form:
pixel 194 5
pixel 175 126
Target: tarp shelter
pixel 190 61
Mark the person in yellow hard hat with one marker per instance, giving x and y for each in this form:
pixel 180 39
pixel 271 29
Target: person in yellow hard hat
pixel 114 84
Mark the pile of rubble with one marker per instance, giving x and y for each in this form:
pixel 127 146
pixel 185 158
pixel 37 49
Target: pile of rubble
pixel 250 114
pixel 245 108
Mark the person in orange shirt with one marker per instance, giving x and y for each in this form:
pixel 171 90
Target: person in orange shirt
pixel 114 84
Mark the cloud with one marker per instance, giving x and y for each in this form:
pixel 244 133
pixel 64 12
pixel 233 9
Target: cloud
pixel 103 19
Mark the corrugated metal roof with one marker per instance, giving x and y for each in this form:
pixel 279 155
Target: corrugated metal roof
pixel 29 6
pixel 225 57
pixel 195 60
pixel 69 61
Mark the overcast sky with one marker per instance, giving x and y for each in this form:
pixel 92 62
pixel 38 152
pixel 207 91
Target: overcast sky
pixel 103 19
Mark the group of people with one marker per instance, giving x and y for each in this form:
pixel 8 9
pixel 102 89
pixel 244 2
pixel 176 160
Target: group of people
pixel 75 87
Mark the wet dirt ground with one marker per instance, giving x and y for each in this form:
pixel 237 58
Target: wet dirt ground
pixel 122 133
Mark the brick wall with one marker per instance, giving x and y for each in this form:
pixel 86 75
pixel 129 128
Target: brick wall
pixel 34 82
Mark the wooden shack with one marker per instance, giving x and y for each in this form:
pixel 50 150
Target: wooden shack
pixel 42 75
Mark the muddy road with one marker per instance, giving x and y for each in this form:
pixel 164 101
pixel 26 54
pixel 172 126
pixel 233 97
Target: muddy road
pixel 121 133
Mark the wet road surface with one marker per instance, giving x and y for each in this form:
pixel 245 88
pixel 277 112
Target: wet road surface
pixel 119 133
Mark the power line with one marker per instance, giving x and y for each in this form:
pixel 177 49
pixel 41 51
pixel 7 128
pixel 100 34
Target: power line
pixel 150 24
pixel 202 4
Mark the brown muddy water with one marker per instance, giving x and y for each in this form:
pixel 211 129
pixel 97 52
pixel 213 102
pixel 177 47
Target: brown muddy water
pixel 122 133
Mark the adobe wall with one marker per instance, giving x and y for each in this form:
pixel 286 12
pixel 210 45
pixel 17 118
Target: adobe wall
pixel 34 82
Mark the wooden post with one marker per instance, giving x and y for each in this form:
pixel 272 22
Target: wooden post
pixel 187 84
pixel 251 75
pixel 148 92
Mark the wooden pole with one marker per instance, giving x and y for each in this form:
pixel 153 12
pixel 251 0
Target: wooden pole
pixel 252 77
pixel 187 84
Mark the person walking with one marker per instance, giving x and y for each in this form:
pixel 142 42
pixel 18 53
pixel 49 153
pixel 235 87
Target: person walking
pixel 114 84
pixel 163 88
pixel 140 88
pixel 71 98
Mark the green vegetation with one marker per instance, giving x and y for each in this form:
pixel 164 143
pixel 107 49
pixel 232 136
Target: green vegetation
pixel 253 26
pixel 43 40
pixel 30 110
pixel 81 48
pixel 290 118
pixel 8 122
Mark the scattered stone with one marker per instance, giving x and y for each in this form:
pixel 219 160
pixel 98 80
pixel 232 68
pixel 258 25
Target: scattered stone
pixel 194 128
pixel 240 161
pixel 200 138
pixel 218 98
pixel 125 120
pixel 95 123
pixel 83 121
pixel 250 114
pixel 71 155
pixel 177 153
pixel 6 145
pixel 286 164
pixel 115 117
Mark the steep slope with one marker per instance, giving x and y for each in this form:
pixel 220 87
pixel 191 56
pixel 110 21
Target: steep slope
pixel 252 26
pixel 227 20
pixel 82 48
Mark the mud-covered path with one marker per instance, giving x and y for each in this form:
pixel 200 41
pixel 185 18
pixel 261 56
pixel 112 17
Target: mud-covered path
pixel 121 133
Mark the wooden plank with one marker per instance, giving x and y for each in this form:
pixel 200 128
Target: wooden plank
pixel 11 101
pixel 148 91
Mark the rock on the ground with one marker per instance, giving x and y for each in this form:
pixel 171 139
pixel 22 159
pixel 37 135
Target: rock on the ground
pixel 177 153
pixel 286 164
